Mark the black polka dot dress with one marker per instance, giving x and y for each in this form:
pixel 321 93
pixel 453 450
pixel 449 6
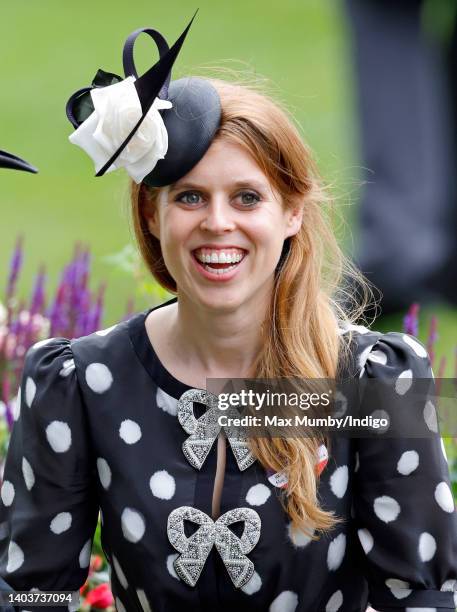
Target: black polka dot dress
pixel 101 425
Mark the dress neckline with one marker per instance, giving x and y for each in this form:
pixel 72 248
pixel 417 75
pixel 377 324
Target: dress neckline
pixel 147 355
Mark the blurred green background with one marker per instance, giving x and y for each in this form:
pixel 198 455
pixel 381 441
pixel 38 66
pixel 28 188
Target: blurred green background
pixel 51 48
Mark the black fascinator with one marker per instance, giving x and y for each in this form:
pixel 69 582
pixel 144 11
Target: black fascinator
pixel 155 128
pixel 8 160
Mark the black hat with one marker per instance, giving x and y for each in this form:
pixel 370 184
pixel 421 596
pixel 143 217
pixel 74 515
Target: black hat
pixel 156 129
pixel 7 160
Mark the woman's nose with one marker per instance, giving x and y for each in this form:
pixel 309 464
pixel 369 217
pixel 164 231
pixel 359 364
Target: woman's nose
pixel 218 217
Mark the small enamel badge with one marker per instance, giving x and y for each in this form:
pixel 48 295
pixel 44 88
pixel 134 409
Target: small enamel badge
pixel 279 479
pixel 322 458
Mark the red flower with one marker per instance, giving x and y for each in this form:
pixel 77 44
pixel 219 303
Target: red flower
pixel 100 597
pixel 96 563
pixel 84 588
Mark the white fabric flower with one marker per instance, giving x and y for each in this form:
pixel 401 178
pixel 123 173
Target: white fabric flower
pixel 117 110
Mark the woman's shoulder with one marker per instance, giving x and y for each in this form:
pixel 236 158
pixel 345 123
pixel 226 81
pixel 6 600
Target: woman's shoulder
pixel 61 356
pixel 386 354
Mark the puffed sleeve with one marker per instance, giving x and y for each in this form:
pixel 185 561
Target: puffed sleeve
pixel 48 507
pixel 403 505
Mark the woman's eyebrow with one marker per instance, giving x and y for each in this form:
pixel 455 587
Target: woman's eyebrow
pixel 239 183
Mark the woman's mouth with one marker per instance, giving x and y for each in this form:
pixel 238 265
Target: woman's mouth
pixel 220 263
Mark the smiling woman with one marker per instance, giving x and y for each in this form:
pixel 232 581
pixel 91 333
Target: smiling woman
pixel 233 219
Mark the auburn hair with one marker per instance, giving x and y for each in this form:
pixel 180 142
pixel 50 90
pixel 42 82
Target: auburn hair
pixel 301 331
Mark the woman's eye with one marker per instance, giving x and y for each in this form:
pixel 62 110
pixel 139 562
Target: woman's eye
pixel 248 198
pixel 189 197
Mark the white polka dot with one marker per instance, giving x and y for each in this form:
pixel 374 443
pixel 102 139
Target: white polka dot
pixel 357 462
pixel 408 462
pixel 378 357
pixel 380 414
pixel 444 497
pixel 170 566
pixel 17 405
pixel 27 472
pixel 287 601
pixel 74 607
pixel 7 492
pixel 335 602
pixel 258 495
pixel 449 585
pixel 254 584
pixel 61 522
pixel 399 588
pixel 104 332
pixel 415 345
pixel 297 537
pixel 404 382
pixel 336 552
pixel 162 485
pixel 104 472
pixel 30 391
pixel 386 508
pixel 84 555
pixel 339 481
pixel 119 573
pixel 143 600
pixel 427 546
pixel 130 431
pixel 119 605
pixel 68 367
pixel 341 402
pixel 98 377
pixel 15 557
pixel 59 436
pixel 363 359
pixel 443 449
pixel 166 402
pixel 133 526
pixel 366 540
pixel 430 416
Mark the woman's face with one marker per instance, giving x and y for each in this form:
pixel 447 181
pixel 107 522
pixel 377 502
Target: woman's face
pixel 222 228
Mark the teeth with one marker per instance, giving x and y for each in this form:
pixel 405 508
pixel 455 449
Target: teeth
pixel 219 257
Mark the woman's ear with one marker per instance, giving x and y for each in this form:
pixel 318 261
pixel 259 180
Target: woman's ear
pixel 294 219
pixel 149 211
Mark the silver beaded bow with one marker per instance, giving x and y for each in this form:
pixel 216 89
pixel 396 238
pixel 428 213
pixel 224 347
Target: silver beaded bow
pixel 204 431
pixel 195 549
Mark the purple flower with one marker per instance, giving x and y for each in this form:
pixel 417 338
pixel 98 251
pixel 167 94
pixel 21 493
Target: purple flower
pixel 411 320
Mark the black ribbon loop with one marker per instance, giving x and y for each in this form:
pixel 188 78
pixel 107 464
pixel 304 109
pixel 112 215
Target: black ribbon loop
pixel 129 63
pixel 70 105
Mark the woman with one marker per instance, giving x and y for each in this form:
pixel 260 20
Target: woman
pixel 228 216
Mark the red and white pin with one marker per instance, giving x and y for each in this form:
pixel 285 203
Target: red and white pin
pixel 279 479
pixel 322 459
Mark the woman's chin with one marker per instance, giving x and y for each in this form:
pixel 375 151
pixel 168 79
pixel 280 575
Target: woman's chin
pixel 221 299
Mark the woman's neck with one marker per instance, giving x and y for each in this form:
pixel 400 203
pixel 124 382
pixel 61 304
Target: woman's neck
pixel 222 343
pixel 195 343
